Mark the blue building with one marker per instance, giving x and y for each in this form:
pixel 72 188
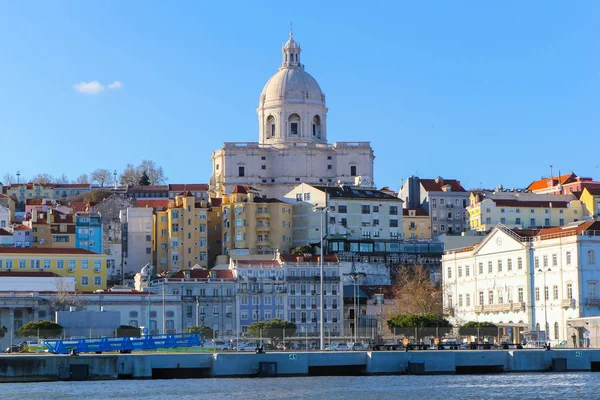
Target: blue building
pixel 261 290
pixel 88 232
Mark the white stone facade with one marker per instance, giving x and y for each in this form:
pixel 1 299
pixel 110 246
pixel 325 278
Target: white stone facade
pixel 292 146
pixel 512 277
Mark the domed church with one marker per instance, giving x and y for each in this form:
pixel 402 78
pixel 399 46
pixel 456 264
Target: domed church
pixel 292 145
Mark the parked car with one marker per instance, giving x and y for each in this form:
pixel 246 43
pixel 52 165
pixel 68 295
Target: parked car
pixel 219 345
pixel 301 346
pixel 356 346
pixel 16 348
pixel 250 346
pixel 281 346
pixel 337 347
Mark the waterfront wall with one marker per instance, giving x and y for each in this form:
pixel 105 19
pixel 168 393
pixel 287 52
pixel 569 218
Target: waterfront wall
pixel 47 367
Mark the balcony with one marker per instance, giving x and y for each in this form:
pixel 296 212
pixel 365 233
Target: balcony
pixel 592 302
pixel 568 303
pixel 263 228
pixel 518 306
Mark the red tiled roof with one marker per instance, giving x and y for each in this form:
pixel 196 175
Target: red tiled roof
pixel 308 258
pixel 544 182
pixel 29 274
pixel 573 230
pixel 37 250
pixel 435 185
pixel 182 187
pixel 3 195
pixel 21 228
pixel 239 189
pixel 78 206
pixel 418 211
pixel 216 202
pixel 534 204
pixel 72 186
pixel 157 204
pixel 33 202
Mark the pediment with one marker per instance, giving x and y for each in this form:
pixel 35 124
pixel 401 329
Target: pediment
pixel 498 241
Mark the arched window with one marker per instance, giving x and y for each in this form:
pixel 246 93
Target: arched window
pixel 556 329
pixel 294 121
pixel 591 257
pixel 271 126
pixel 316 126
pixel 592 287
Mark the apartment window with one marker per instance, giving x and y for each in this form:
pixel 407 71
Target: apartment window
pixel 519 263
pixel 393 210
pixel 537 294
pixel 375 222
pixel 449 272
pixel 460 271
pixel 467 270
pixel 353 170
pixel 536 262
pixel 556 331
pixel 555 292
pixel 554 260
pixel 561 222
pixel 491 297
pixel 375 209
pixel 545 260
pixel 468 300
pixel 546 293
pixel 393 223
pixel 85 281
pixel 342 209
pixel 592 287
pixel 591 257
pixel 520 294
pixel 366 209
pixel 306 196
pixel 98 281
pixel 499 265
pixel 481 297
pixel 490 267
pixel 518 221
pixel 460 300
pixel 480 268
pixel 569 290
pixel 60 264
pixel 241 171
pixel 532 222
pixel 329 166
pixel 568 258
pixel 509 264
pixel 509 294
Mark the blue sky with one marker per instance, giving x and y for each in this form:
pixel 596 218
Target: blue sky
pixel 485 92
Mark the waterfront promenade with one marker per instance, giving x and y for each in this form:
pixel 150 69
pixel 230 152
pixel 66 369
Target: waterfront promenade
pixel 47 367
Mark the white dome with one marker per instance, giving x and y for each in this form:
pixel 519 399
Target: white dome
pixel 292 86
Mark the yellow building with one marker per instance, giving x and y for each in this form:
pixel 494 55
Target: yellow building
pixel 24 191
pixel 255 225
pixel 88 268
pixel 590 197
pixel 522 210
pixel 52 229
pixel 417 224
pixel 214 225
pixel 181 234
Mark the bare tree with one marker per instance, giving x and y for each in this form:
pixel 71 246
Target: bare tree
pixel 130 176
pixel 62 179
pixel 415 292
pixel 155 173
pixel 82 179
pixel 65 297
pixel 42 178
pixel 8 178
pixel 101 176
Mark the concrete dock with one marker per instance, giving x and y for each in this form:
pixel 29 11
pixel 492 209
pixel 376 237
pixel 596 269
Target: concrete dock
pixel 48 367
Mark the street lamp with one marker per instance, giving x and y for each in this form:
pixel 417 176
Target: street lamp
pixel 546 295
pixel 323 211
pixel 356 276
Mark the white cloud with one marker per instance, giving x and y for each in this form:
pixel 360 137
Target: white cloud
pixel 115 85
pixel 92 87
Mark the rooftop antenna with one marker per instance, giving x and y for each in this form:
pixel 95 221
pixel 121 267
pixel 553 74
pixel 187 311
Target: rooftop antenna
pixel 18 176
pixel 551 176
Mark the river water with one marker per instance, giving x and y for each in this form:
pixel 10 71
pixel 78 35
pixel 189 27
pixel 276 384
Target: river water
pixel 585 385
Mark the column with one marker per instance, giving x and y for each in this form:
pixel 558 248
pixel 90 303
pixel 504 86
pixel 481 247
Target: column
pixel 11 325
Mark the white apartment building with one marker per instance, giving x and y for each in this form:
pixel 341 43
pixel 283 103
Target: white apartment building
pixel 137 230
pixel 361 218
pixel 544 279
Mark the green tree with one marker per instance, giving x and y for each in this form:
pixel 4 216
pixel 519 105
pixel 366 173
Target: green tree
pixel 274 329
pixel 475 327
pixel 144 179
pixel 43 329
pixel 203 330
pixel 3 331
pixel 418 320
pixel 304 249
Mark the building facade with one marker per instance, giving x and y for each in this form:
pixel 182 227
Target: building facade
pixel 88 268
pixel 252 224
pixel 522 210
pixel 88 232
pixel 137 224
pixel 292 146
pixel 444 200
pixel 417 224
pixel 542 279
